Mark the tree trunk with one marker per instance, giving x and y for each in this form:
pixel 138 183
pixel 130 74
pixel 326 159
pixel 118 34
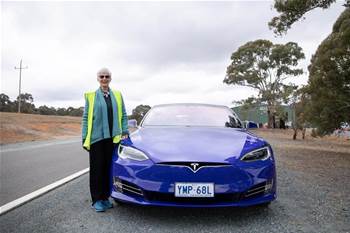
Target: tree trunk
pixel 303 133
pixel 270 117
pixel 295 133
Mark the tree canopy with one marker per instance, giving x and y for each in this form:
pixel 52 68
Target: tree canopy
pixel 293 10
pixel 329 81
pixel 6 105
pixel 27 106
pixel 265 66
pixel 139 112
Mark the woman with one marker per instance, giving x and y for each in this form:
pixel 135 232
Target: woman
pixel 104 125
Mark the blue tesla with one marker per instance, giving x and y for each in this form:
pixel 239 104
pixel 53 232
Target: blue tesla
pixel 193 155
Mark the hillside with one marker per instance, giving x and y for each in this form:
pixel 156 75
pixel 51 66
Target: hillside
pixel 15 127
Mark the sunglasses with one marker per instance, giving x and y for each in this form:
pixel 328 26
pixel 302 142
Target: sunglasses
pixel 104 76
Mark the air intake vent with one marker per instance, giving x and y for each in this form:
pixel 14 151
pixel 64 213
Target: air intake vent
pixel 170 197
pixel 128 188
pixel 259 189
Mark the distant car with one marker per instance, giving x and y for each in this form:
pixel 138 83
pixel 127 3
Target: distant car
pixel 288 124
pixel 250 124
pixel 193 155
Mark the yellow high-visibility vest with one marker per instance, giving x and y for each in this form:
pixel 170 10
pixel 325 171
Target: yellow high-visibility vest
pixel 90 97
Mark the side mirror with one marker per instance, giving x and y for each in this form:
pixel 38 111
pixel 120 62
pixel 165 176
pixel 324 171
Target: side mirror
pixel 132 123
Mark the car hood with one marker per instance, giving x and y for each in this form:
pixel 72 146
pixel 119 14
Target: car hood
pixel 198 144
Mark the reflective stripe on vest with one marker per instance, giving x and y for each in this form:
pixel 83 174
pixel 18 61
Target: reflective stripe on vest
pixel 90 97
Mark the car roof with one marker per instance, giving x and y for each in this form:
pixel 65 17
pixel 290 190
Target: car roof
pixel 190 104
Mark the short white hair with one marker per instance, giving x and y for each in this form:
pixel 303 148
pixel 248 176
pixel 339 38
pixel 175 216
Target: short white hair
pixel 104 71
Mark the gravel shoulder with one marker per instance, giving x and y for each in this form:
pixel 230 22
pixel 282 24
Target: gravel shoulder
pixel 313 196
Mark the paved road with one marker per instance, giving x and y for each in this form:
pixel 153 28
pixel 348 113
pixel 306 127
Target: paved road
pixel 67 209
pixel 310 199
pixel 313 196
pixel 26 167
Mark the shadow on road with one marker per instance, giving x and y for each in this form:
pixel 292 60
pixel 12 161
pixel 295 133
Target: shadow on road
pixel 214 214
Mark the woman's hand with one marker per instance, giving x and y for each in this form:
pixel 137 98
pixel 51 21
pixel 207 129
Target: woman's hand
pixel 84 146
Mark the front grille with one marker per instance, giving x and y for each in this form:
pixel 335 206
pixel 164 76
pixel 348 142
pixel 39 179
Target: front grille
pixel 127 188
pixel 170 197
pixel 188 164
pixel 194 166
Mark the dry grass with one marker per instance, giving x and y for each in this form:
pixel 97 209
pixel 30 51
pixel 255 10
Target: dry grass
pixel 319 159
pixel 16 127
pixel 284 137
pixel 312 155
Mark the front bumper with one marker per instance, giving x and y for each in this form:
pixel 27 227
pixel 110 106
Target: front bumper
pixel 149 184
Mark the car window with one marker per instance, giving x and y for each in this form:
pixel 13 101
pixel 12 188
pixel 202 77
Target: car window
pixel 191 115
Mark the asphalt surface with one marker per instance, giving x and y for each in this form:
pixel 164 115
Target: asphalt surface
pixel 26 167
pixel 307 202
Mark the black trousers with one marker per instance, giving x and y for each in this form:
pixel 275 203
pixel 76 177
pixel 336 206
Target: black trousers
pixel 100 169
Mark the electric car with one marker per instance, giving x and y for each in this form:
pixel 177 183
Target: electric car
pixel 193 155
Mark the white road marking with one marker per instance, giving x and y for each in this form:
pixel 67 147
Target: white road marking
pixel 20 201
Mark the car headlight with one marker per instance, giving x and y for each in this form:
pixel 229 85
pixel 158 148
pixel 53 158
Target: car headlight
pixel 126 152
pixel 259 154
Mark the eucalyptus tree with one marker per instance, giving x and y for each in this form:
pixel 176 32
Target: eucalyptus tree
pixel 329 81
pixel 328 89
pixel 292 11
pixel 265 66
pixel 139 112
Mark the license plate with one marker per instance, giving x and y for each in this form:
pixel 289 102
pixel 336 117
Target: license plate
pixel 194 189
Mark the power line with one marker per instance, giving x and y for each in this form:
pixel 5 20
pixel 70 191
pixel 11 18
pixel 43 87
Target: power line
pixel 20 80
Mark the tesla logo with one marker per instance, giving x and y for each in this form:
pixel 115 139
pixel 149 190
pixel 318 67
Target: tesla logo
pixel 194 166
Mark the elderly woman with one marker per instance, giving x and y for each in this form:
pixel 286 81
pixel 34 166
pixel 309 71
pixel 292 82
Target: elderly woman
pixel 104 125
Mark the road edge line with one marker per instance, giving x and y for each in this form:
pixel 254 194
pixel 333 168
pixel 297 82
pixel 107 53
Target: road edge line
pixel 22 200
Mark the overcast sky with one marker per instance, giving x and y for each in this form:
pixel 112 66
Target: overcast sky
pixel 162 52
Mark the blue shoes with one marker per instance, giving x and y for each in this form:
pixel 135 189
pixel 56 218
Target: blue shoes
pixel 102 206
pixel 99 206
pixel 107 204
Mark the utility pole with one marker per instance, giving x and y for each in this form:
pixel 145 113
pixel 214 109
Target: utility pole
pixel 20 80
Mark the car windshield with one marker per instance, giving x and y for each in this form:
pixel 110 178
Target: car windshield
pixel 191 115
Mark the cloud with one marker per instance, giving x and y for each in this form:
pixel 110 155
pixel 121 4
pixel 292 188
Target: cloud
pixel 158 52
